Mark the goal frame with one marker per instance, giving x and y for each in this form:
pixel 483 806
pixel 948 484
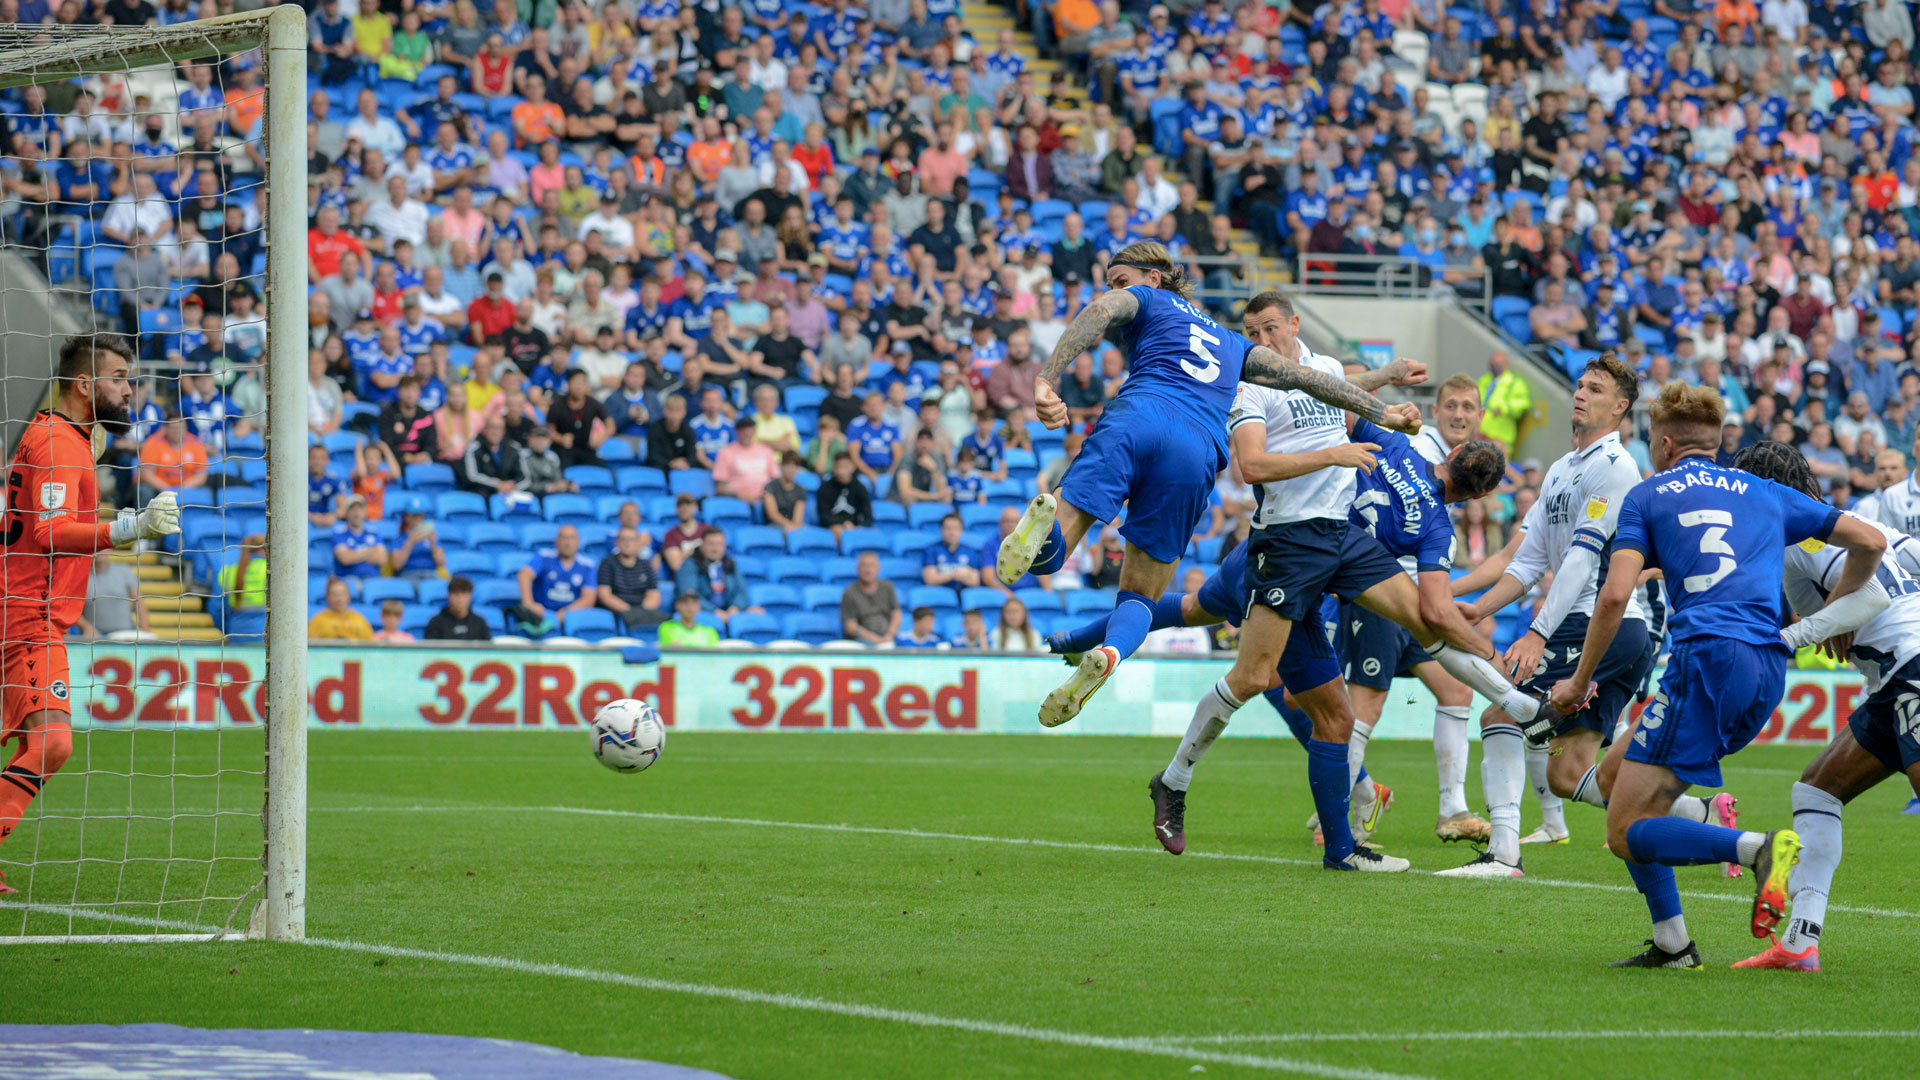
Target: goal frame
pixel 280 33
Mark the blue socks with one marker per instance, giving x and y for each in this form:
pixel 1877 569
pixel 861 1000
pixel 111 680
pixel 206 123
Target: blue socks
pixel 1332 796
pixel 1128 625
pixel 1657 885
pixel 1053 553
pixel 1080 639
pixel 1671 841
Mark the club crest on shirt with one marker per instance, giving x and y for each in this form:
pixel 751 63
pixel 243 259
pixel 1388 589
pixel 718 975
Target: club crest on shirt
pixel 1596 508
pixel 58 689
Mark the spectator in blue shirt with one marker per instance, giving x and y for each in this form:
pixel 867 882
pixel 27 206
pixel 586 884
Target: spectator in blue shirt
pixel 713 427
pixel 420 556
pixel 381 374
pixel 325 489
pixel 711 574
pixel 357 550
pixel 965 482
pixel 947 562
pixel 554 584
pixel 876 444
pixel 1199 121
pixel 921 636
pixel 549 379
pixel 989 449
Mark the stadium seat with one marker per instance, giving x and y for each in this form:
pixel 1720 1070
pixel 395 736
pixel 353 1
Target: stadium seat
pixel 592 624
pixel 1087 602
pixel 811 628
pixel 777 599
pixel 639 479
pixel 607 507
pixel 508 564
pixel 927 515
pixel 938 597
pixel 980 516
pixel 980 597
pixel 854 541
pixel 495 592
pixel 888 513
pixel 535 535
pixel 819 598
pixel 432 591
pixel 492 537
pixel 429 478
pixel 726 511
pixel 907 542
pixel 756 628
pixel 840 569
pixel 618 452
pixel 757 540
pixel 1040 600
pixel 592 479
pixel 811 538
pixel 1009 492
pixel 568 509
pixel 500 507
pixel 697 481
pixel 804 397
pixel 793 569
pixel 374 590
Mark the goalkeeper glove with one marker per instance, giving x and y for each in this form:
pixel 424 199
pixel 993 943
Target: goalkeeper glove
pixel 160 518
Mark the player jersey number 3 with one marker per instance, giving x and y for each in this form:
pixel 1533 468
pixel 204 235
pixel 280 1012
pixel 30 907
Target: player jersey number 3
pixel 1712 542
pixel 1200 344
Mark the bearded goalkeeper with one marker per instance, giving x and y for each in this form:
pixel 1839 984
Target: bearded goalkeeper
pixel 48 538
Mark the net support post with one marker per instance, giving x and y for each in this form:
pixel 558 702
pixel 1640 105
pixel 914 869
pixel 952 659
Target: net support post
pixel 283 912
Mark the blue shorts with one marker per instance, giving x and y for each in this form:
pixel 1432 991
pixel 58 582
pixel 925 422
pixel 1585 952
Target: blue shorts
pixel 1307 661
pixel 1378 650
pixel 1160 469
pixel 1716 696
pixel 1617 680
pixel 1291 564
pixel 1876 722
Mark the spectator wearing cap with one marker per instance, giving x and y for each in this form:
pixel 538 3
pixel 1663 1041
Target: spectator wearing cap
pixel 744 466
pixel 627 583
pixel 685 534
pixel 546 469
pixel 357 550
pixel 711 574
pixel 578 422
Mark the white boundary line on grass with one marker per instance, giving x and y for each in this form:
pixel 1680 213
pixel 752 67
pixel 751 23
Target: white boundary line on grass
pixel 1013 841
pixel 1504 1036
pixel 1074 1039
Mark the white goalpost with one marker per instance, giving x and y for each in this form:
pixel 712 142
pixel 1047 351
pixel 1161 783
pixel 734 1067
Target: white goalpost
pixel 124 152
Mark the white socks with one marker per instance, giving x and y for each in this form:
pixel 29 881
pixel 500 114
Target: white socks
pixel 1671 934
pixel 1357 760
pixel 1450 757
pixel 1749 849
pixel 1209 720
pixel 1588 791
pixel 1503 775
pixel 1816 817
pixel 1691 807
pixel 1485 679
pixel 1552 810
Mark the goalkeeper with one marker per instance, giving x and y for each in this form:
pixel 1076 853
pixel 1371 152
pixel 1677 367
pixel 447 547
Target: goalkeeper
pixel 48 538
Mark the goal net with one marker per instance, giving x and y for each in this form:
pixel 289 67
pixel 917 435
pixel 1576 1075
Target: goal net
pixel 153 187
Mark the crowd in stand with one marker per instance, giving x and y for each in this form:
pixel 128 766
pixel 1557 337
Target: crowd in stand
pixel 717 307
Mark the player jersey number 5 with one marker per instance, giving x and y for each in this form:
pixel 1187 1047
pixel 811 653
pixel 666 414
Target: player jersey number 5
pixel 1202 344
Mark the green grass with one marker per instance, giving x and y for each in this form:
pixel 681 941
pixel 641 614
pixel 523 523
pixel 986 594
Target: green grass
pixel 1127 944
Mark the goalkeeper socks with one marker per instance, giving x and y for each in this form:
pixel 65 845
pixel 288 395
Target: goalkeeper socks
pixel 1210 718
pixel 1450 757
pixel 1298 722
pixel 1816 817
pixel 1327 777
pixel 43 750
pixel 1128 625
pixel 1082 638
pixel 1052 555
pixel 1672 841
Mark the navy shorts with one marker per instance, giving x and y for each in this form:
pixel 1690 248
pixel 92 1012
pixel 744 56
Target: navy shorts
pixel 1378 650
pixel 1291 564
pixel 1879 727
pixel 1161 471
pixel 1307 661
pixel 1617 680
pixel 1716 696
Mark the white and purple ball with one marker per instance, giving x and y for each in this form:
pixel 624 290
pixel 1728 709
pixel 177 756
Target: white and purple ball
pixel 627 735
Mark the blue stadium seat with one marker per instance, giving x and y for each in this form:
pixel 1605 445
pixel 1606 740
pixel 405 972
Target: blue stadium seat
pixel 818 598
pixel 913 543
pixel 753 627
pixel 568 509
pixel 500 508
pixel 927 515
pixel 757 540
pixel 980 516
pixel 726 511
pixel 492 537
pixel 374 590
pixel 508 563
pixel 495 592
pixel 607 507
pixel 804 397
pixel 1507 306
pixel 469 563
pixel 429 478
pixel 432 591
pixel 938 597
pixel 813 629
pixel 1210 549
pixel 618 452
pixel 1039 600
pixel 793 569
pixel 591 624
pixel 980 598
pixel 854 541
pixel 777 599
pixel 841 569
pixel 889 513
pixel 659 507
pixel 639 478
pixel 535 535
pixel 811 538
pixel 1009 492
pixel 592 479
pixel 1087 602
pixel 697 481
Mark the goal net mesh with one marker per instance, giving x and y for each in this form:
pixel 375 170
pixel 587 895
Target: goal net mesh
pixel 134 201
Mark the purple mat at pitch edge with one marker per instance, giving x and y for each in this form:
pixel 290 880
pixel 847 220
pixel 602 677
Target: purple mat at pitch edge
pixel 131 1051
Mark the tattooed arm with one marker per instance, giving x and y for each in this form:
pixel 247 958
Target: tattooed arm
pixel 1115 307
pixel 1264 367
pixel 1397 372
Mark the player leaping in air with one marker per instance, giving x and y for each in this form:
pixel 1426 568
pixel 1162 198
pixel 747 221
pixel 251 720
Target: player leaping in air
pixel 1879 628
pixel 48 538
pixel 1719 535
pixel 1156 449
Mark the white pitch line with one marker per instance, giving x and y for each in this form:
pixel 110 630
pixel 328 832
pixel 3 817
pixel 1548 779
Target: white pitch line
pixel 1013 841
pixel 912 1018
pixel 1504 1036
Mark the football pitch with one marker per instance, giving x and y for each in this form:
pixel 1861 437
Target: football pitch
pixel 893 906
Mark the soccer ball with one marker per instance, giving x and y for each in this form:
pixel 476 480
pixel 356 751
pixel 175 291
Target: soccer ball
pixel 627 735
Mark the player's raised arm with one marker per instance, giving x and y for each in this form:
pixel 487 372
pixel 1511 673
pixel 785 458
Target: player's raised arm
pixel 1265 367
pixel 1115 307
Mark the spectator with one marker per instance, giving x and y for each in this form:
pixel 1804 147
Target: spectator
pixel 843 501
pixel 922 635
pixel 711 574
pixel 457 621
pixel 553 585
pixel 357 550
pixel 578 422
pixel 684 538
pixel 325 488
pixel 1508 401
pixel 875 442
pixel 784 501
pixel 671 445
pixel 338 621
pixel 923 476
pixel 391 612
pixel 973 631
pixel 966 483
pixel 869 609
pixel 685 630
pixel 826 444
pixel 770 426
pixel 244 584
pixel 989 449
pixel 745 466
pixel 1182 640
pixel 947 562
pixel 492 465
pixel 420 556
pixel 114 604
pixel 546 473
pixel 171 459
pixel 1855 420
pixel 406 428
pixel 628 585
pixel 1015 632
